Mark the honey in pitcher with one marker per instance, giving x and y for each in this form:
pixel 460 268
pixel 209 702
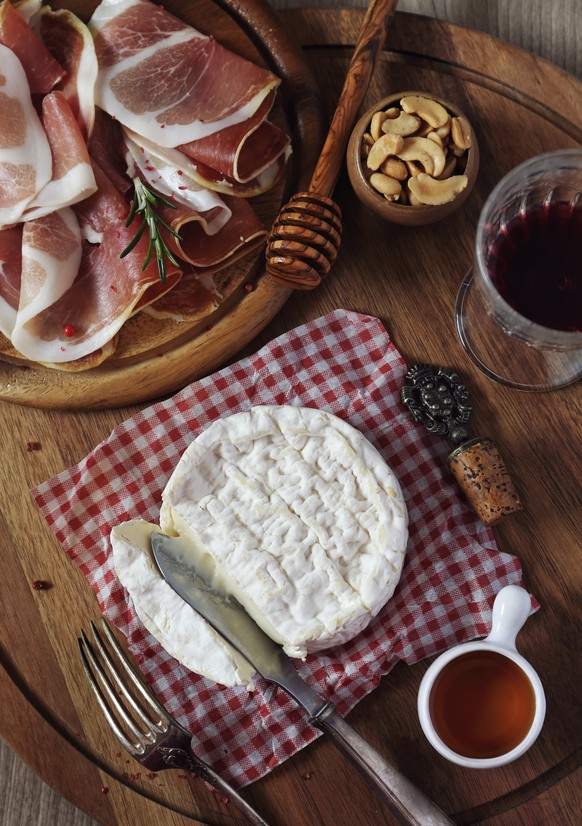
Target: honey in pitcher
pixel 482 704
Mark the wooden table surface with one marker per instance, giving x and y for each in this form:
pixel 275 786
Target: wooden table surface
pixel 408 278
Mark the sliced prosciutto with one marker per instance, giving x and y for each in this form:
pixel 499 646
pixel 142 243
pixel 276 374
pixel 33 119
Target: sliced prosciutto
pixel 242 151
pixel 105 208
pixel 219 182
pixel 69 40
pixel 107 149
pixel 243 232
pixel 25 156
pixel 90 313
pixel 42 70
pixel 51 254
pixel 10 269
pixel 169 172
pixel 72 175
pixel 27 8
pixel 165 80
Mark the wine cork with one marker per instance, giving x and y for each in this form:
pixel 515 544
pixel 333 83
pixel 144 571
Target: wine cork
pixel 483 477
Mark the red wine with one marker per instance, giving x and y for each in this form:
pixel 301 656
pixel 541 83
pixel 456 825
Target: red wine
pixel 536 264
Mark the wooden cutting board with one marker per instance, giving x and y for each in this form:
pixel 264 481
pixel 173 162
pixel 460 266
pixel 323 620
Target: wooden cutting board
pixel 155 356
pixel 408 277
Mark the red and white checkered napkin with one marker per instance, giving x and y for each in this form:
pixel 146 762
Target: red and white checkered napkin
pixel 346 364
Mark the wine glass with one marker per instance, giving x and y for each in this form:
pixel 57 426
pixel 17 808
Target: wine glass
pixel 519 310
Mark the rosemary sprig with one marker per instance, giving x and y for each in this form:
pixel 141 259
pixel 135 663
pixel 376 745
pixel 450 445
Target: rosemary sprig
pixel 145 201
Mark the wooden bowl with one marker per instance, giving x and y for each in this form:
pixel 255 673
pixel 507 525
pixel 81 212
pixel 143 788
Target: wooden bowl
pixel 404 213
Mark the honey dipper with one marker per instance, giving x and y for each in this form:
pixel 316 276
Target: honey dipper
pixel 305 237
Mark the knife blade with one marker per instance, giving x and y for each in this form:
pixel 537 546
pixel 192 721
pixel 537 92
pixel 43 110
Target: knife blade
pixel 230 619
pixel 227 616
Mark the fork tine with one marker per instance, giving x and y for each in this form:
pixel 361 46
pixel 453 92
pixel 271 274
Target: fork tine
pixel 154 727
pixel 135 678
pixel 89 660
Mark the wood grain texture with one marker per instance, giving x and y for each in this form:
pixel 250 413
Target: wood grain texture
pixel 536 436
pixel 304 241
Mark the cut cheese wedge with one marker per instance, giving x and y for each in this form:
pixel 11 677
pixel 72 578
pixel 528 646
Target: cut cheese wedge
pixel 176 626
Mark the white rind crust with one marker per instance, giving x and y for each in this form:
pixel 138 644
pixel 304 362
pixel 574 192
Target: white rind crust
pixel 299 517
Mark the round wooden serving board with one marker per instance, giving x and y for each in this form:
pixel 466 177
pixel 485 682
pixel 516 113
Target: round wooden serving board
pixel 153 356
pixel 408 277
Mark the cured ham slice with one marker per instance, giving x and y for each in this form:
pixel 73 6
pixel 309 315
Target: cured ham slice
pixel 241 152
pixel 72 176
pixel 27 8
pixel 90 313
pixel 51 254
pixel 219 182
pixel 105 208
pixel 165 80
pixel 243 231
pixel 212 277
pixel 25 156
pixel 10 269
pixel 42 70
pixel 107 149
pixel 169 172
pixel 195 297
pixel 69 40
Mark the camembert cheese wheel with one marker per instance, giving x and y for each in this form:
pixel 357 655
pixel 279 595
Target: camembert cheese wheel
pixel 290 510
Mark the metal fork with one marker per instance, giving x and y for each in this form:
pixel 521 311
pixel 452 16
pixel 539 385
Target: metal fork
pixel 149 734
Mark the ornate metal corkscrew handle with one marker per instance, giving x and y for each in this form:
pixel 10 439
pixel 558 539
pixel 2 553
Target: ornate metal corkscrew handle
pixel 437 398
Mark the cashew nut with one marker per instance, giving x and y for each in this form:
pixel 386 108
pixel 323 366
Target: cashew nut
pixel 426 152
pixel 434 136
pixel 412 199
pixel 443 131
pixel 461 133
pixel 416 153
pixel 378 119
pixel 432 192
pixel 429 110
pixel 413 168
pixel 388 187
pixel 403 125
pixel 394 168
pixel 386 145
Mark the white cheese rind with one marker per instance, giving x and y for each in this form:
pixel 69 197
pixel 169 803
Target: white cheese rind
pixel 177 627
pixel 303 519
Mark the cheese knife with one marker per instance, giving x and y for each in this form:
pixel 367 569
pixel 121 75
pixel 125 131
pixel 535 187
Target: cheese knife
pixel 228 617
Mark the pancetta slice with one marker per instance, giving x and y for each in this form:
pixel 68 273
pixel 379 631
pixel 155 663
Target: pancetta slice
pixel 69 40
pixel 72 176
pixel 25 156
pixel 165 80
pixel 10 269
pixel 93 309
pixel 42 70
